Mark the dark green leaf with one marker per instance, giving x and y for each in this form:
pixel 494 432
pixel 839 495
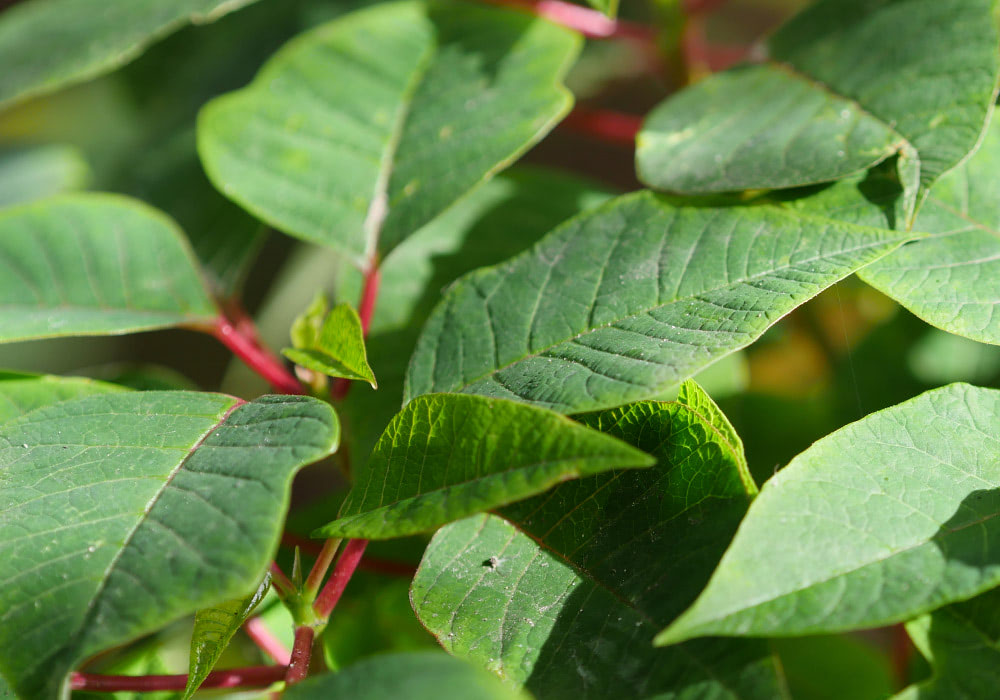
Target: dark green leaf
pixel 414 676
pixel 334 346
pixel 835 668
pixel 565 596
pixel 213 628
pixel 47 45
pixel 883 520
pixel 121 512
pixel 95 264
pixel 625 301
pixel 962 642
pixel 360 132
pixel 447 456
pixel 849 83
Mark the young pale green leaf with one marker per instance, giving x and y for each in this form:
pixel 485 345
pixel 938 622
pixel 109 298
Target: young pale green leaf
pixel 414 676
pixel 95 264
pixel 962 642
pixel 89 43
pixel 39 171
pixel 447 456
pixel 336 348
pixel 849 83
pixel 360 132
pixel 952 278
pixel 881 521
pixel 565 595
pixel 631 298
pixel 21 393
pixel 121 512
pixel 213 628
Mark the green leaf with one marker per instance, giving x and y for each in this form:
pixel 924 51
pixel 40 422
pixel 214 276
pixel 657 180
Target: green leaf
pixel 213 628
pixel 121 512
pixel 883 520
pixel 447 456
pixel 21 393
pixel 962 642
pixel 952 278
pixel 414 676
pixel 608 7
pixel 335 348
pixel 849 83
pixel 360 132
pixel 39 171
pixel 629 299
pixel 565 595
pixel 89 43
pixel 95 264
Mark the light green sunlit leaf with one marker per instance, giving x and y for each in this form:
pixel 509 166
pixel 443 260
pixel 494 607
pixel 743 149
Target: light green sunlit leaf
pixel 361 131
pixel 883 520
pixel 95 264
pixel 447 456
pixel 334 346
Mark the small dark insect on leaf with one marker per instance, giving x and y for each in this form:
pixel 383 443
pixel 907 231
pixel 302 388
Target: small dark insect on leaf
pixel 492 562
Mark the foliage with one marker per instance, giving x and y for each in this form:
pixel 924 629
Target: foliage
pixel 571 468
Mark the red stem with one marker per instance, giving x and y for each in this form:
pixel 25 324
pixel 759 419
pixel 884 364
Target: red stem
pixel 280 582
pixel 902 650
pixel 327 599
pixel 323 560
pixel 388 567
pixel 591 23
pixel 254 676
pixel 605 124
pixel 298 669
pixel 267 642
pixel 257 358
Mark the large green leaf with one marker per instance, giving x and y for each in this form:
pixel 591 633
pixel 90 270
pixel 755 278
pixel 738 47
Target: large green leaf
pixel 95 264
pixel 952 278
pixel 360 132
pixel 414 676
pixel 848 84
pixel 33 172
pixel 890 517
pixel 566 594
pixel 447 456
pixel 21 392
pixel 47 44
pixel 627 300
pixel 213 628
pixel 962 642
pixel 121 512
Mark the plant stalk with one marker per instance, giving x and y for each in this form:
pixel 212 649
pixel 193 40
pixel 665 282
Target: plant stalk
pixel 298 669
pixel 253 676
pixel 267 642
pixel 605 124
pixel 322 564
pixel 326 601
pixel 257 358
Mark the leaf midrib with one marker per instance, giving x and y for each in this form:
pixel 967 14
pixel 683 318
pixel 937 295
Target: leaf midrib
pixel 84 625
pixel 681 299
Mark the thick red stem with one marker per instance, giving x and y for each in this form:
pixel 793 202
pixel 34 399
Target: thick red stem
pixel 605 124
pixel 377 565
pixel 591 23
pixel 323 560
pixel 267 642
pixel 298 669
pixel 257 358
pixel 327 599
pixel 253 676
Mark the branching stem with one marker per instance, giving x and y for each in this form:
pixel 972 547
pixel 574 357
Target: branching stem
pixel 326 601
pixel 259 359
pixel 591 23
pixel 298 669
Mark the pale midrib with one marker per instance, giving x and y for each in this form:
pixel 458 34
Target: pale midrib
pixel 676 300
pixel 378 208
pixel 84 626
